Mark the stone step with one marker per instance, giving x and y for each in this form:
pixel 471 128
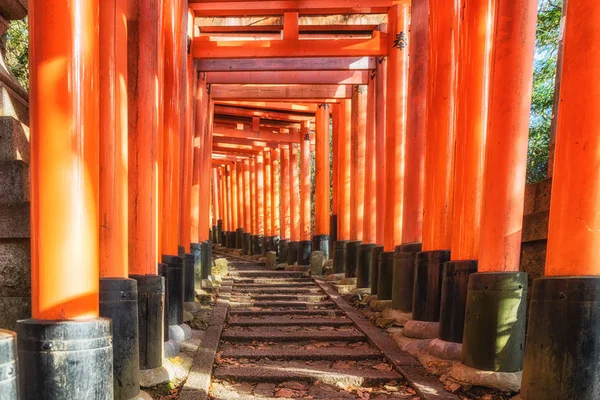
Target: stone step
pixel 276 282
pixel 281 304
pixel 14 140
pixel 14 182
pixel 283 311
pixel 280 297
pixel 15 221
pixel 307 352
pixel 265 274
pixel 277 290
pixel 274 334
pixel 307 373
pixel 287 321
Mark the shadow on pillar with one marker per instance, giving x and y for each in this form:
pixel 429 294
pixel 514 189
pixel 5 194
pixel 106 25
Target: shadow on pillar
pixel 339 256
pixel 304 250
pixel 405 258
pixel 65 359
pixel 332 232
pixel 352 258
pixel 219 237
pixel 563 325
pixel 363 269
pixel 9 381
pixel 427 291
pixel 494 332
pixel 151 321
pixel 385 276
pixel 119 301
pixel 321 243
pixel 214 233
pixel 377 250
pixel 292 256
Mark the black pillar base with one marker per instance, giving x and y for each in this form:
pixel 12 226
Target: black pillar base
pixel 352 258
pixel 339 256
pixel 175 288
pixel 245 244
pixel 321 243
pixel 304 250
pixel 189 295
pixel 293 252
pixel 332 232
pixel 363 269
pixel 151 297
pixel 214 233
pixel 163 270
pixel 65 359
pixel 119 301
pixel 377 250
pixel 239 238
pixel 249 245
pixel 9 381
pixel 275 247
pixel 427 291
pixel 219 232
pixel 196 249
pixel 231 239
pixel 494 336
pixel 206 262
pixel 283 250
pixel 454 299
pixel 563 326
pixel 267 244
pixel 405 258
pixel 257 244
pixel 385 276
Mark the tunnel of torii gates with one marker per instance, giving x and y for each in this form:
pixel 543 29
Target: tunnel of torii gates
pixel 143 111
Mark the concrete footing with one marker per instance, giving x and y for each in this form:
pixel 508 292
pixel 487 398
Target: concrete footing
pixel 400 317
pixel 380 305
pixel 191 306
pixel 142 396
pixel 180 333
pixel 445 350
pixel 467 376
pixel 170 349
pixel 421 329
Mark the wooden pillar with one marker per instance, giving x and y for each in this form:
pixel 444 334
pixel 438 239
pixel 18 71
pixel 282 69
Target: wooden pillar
pixel 241 198
pixel 395 124
pixel 294 193
pixel 380 133
pixel 335 169
pixel 113 141
pixel 267 193
pixel 235 201
pixel 416 124
pixel 253 202
pixel 357 161
pixel 222 199
pixel 471 128
pixel 260 194
pixel 216 199
pixel 285 192
pixel 275 201
pixel 229 194
pixel 205 201
pixel 441 129
pixel 305 184
pixel 370 186
pixel 344 155
pixel 64 160
pixel 143 155
pixel 173 101
pixel 498 291
pixel 247 203
pixel 322 205
pixel 566 300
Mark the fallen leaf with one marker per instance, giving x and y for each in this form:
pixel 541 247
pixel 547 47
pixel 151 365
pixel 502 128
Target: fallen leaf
pixel 383 367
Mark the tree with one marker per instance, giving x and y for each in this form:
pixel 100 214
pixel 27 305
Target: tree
pixel 544 76
pixel 17 50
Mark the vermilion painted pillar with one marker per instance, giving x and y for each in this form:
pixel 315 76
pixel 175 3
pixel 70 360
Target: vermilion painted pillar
pixel 294 205
pixel 498 291
pixel 234 197
pixel 240 205
pixel 172 128
pixel 268 238
pixel 285 204
pixel 254 220
pixel 335 199
pixel 201 99
pixel 439 160
pixel 228 204
pixel 397 67
pixel 304 247
pixel 64 207
pixel 216 203
pixel 247 207
pixel 471 128
pixel 223 200
pixel 322 187
pixel 380 133
pixel 342 154
pixel 414 156
pixel 565 302
pixel 114 262
pixel 364 261
pixel 260 205
pixel 275 198
pixel 357 177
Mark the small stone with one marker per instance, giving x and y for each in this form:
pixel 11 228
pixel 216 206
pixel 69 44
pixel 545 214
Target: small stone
pixel 262 259
pixel 264 389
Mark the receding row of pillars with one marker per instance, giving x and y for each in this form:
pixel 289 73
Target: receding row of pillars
pixel 433 189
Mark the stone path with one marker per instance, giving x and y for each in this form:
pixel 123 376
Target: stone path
pixel 284 338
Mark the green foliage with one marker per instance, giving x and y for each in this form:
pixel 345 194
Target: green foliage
pixel 544 75
pixel 17 51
